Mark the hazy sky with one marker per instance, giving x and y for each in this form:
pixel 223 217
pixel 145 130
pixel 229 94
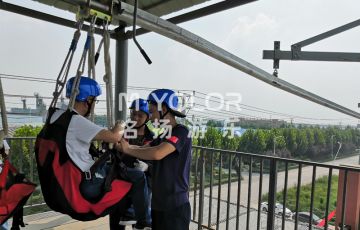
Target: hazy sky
pixel 37 49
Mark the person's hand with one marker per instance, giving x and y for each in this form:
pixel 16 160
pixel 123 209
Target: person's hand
pixel 119 127
pixel 123 146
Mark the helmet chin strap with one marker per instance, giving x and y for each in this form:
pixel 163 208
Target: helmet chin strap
pixel 89 108
pixel 163 115
pixel 139 127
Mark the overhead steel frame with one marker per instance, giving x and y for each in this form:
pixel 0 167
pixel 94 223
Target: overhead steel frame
pixel 167 29
pixel 296 54
pixel 124 13
pixel 120 36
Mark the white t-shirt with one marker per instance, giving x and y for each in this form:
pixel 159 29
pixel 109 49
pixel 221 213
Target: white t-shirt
pixel 80 133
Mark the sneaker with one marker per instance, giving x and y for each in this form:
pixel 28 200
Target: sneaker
pixel 142 226
pixel 124 220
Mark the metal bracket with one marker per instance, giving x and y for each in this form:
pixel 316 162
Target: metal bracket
pixel 276 64
pixel 297 54
pixel 87 11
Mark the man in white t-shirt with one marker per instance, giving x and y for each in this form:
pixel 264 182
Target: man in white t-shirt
pixel 81 132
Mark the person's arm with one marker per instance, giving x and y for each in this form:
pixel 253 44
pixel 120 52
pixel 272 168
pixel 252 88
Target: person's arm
pixel 111 136
pixel 147 153
pixel 108 136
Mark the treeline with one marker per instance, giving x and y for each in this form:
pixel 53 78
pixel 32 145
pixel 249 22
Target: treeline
pixel 313 143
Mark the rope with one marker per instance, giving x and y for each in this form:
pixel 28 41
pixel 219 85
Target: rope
pixel 80 69
pixel 91 54
pixel 108 77
pixel 64 71
pixel 91 57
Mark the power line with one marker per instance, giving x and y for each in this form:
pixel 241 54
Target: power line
pixel 194 93
pixel 52 81
pixel 269 112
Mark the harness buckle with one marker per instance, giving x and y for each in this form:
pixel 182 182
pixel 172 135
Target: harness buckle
pixel 87 175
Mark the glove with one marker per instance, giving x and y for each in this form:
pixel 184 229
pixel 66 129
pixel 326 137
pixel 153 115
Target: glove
pixel 141 165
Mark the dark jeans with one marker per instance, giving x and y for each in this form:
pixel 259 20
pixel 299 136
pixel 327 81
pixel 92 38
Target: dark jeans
pixel 139 194
pixel 175 219
pixel 130 213
pixel 93 188
pixel 138 197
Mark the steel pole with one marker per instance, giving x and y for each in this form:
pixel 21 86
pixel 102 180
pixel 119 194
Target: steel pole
pixel 121 74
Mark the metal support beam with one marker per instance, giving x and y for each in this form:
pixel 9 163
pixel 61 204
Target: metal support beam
pixel 327 34
pixel 43 16
pixel 310 56
pixel 215 8
pixel 72 5
pixel 167 29
pixel 4 120
pixel 297 54
pixel 205 11
pixel 121 70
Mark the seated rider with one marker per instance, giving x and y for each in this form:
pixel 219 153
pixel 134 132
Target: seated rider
pixel 81 132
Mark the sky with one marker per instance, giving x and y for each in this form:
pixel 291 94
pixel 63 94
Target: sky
pixel 34 48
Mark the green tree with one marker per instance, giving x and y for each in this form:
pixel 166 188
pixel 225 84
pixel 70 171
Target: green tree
pixel 310 136
pixel 22 150
pixel 258 142
pixel 212 138
pixel 302 143
pixel 246 141
pixel 319 137
pixel 229 143
pixel 291 140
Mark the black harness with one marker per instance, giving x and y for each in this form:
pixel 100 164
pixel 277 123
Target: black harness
pixel 56 190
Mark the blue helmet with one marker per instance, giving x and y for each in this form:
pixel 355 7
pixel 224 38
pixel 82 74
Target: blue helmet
pixel 168 98
pixel 87 88
pixel 140 105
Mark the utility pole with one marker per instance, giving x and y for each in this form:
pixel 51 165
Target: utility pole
pixel 274 144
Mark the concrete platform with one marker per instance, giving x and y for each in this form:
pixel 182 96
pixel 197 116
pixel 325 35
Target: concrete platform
pixel 57 221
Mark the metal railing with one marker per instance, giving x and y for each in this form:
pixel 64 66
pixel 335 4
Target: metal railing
pixel 228 189
pixel 23 158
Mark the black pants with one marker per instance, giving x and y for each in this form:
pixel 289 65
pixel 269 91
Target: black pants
pixel 175 219
pixel 117 212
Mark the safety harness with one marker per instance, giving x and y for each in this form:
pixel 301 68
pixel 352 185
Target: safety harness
pixel 59 176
